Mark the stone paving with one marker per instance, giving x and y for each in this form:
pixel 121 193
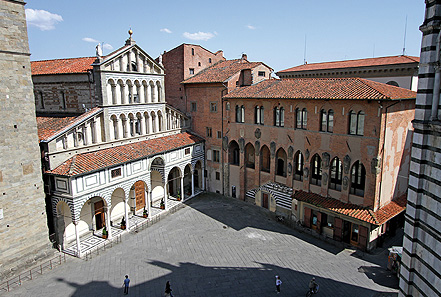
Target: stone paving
pixel 217 246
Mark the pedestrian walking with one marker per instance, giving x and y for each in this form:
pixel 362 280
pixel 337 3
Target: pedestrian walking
pixel 168 290
pixel 126 285
pixel 278 283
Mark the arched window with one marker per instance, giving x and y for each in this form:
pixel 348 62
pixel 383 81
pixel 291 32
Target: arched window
pixel 134 66
pixel 279 116
pixel 281 162
pixel 240 114
pixel 258 115
pixel 336 174
pixel 265 159
pixel 233 153
pixel 356 123
pixel 316 170
pixel 249 155
pixel 327 120
pixel 358 179
pixel 298 166
pixel 301 118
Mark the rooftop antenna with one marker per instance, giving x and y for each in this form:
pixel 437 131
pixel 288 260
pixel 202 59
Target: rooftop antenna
pixel 304 53
pixel 405 31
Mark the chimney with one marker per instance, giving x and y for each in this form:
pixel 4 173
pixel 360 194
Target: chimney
pixel 244 57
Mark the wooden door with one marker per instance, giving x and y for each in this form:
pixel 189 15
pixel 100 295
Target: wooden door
pixel 338 229
pixel 307 217
pixel 363 237
pixel 265 200
pixel 140 195
pixel 99 215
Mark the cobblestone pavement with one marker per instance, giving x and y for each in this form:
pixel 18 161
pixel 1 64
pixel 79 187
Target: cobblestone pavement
pixel 218 246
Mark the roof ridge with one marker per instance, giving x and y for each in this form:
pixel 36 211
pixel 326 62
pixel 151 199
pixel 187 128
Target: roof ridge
pixel 72 164
pixel 63 59
pixel 372 213
pixel 368 83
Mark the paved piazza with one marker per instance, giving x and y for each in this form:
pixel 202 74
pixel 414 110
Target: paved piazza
pixel 218 246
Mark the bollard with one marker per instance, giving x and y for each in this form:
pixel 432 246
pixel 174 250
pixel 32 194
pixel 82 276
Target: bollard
pixel 41 269
pixel 30 273
pixel 19 280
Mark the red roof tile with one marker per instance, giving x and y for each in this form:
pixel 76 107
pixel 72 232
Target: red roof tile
pixel 365 214
pixel 62 66
pixel 92 161
pixel 392 60
pixel 51 126
pixel 321 88
pixel 221 71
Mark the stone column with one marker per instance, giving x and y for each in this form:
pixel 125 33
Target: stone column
pixel 192 183
pixel 123 94
pixel 165 196
pixel 182 188
pixel 109 228
pixel 77 236
pixel 149 202
pixel 203 178
pixel 126 213
pixel 114 98
pixel 142 125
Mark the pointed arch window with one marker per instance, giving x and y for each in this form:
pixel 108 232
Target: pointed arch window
pixel 327 120
pixel 358 179
pixel 356 123
pixel 301 118
pixel 240 114
pixel 279 117
pixel 265 160
pixel 316 170
pixel 336 174
pixel 298 166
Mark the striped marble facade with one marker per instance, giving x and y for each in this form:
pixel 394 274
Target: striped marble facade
pixel 420 273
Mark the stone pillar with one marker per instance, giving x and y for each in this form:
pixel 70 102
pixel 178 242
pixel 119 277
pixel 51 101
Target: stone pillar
pixel 242 175
pixel 129 61
pixel 182 188
pixel 123 94
pixel 192 183
pixel 114 98
pixel 126 213
pixel 165 196
pixel 142 125
pixel 120 128
pixel 149 202
pixel 203 178
pixel 77 237
pixel 109 228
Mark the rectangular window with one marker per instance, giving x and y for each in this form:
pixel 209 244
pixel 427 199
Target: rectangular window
pixel 191 70
pixel 219 134
pixel 187 151
pixel 261 73
pixel 193 106
pixel 217 175
pixel 209 132
pixel 115 172
pixel 216 156
pixel 213 106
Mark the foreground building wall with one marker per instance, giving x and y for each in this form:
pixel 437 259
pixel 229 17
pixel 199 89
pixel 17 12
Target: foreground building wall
pixel 421 263
pixel 23 229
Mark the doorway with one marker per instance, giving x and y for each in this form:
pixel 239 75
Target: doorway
pixel 346 232
pixel 99 215
pixel 265 200
pixel 140 195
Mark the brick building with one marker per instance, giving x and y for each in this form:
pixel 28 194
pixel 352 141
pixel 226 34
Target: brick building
pixel 181 63
pixel 399 71
pixel 204 92
pixel 331 152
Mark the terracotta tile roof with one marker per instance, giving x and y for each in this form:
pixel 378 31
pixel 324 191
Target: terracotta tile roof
pixel 62 66
pixel 365 214
pixel 321 88
pixel 49 127
pixel 221 71
pixel 92 161
pixel 392 60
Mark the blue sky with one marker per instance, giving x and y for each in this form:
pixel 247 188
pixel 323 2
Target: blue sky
pixel 269 31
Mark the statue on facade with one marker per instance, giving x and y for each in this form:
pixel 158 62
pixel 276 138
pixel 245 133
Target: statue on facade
pixel 99 51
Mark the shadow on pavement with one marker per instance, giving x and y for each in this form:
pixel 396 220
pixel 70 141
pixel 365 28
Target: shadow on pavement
pixel 190 279
pixel 238 215
pixel 380 276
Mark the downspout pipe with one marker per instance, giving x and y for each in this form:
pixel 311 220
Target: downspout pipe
pixel 436 84
pixel 222 132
